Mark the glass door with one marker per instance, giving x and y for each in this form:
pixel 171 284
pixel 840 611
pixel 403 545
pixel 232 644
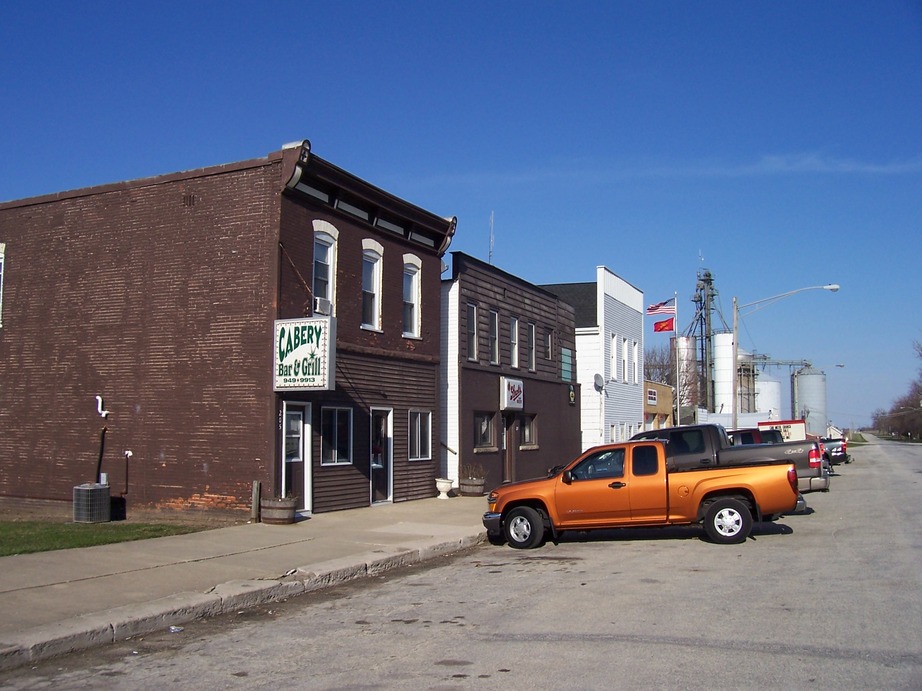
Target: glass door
pixel 381 474
pixel 296 472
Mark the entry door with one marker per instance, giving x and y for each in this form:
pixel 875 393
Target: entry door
pixel 296 461
pixel 510 445
pixel 381 473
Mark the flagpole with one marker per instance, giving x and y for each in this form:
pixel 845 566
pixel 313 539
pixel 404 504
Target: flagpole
pixel 675 342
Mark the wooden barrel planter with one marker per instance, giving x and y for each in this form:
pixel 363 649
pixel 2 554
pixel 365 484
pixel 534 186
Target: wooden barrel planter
pixel 471 487
pixel 278 510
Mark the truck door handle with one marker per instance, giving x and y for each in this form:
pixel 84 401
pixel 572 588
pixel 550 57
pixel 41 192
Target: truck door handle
pixel 617 485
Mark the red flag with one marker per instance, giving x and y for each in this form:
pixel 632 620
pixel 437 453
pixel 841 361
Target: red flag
pixel 665 325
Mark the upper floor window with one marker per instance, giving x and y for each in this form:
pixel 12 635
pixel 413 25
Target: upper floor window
pixel 624 373
pixel 566 364
pixel 531 346
pixel 420 426
pixel 372 259
pixel 635 362
pixel 549 345
pixel 514 341
pixel 613 357
pixel 494 337
pixel 471 331
pixel 412 267
pixel 335 436
pixel 324 283
pixel 322 273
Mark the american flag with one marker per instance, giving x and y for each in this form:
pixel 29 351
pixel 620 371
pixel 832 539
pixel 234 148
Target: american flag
pixel 661 308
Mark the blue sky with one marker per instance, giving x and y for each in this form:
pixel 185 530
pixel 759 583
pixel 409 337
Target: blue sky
pixel 777 144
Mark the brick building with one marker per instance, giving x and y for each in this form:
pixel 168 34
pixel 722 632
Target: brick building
pixel 170 298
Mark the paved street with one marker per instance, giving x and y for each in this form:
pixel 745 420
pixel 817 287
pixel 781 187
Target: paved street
pixel 830 599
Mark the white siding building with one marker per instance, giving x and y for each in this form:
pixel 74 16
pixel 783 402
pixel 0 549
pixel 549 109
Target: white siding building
pixel 609 355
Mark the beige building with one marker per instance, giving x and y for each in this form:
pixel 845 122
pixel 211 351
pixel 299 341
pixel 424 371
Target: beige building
pixel 658 405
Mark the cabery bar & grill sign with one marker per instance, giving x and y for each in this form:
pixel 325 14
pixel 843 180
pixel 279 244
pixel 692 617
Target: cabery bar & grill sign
pixel 305 354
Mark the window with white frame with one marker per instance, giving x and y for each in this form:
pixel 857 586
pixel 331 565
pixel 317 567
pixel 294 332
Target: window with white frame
pixel 483 430
pixel 531 347
pixel 412 267
pixel 624 372
pixel 514 341
pixel 549 345
pixel 420 425
pixel 471 332
pixel 372 259
pixel 335 436
pixel 294 435
pixel 2 263
pixel 324 280
pixel 613 358
pixel 494 337
pixel 635 362
pixel 322 273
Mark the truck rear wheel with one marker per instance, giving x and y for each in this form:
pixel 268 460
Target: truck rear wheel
pixel 728 521
pixel 524 528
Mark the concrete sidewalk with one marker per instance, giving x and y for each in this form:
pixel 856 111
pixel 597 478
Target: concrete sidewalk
pixel 68 600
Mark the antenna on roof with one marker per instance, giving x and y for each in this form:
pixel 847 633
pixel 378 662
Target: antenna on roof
pixel 491 238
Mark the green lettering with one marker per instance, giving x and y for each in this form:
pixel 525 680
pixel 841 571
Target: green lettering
pixel 282 352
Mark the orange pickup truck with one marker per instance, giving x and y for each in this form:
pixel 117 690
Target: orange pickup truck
pixel 629 485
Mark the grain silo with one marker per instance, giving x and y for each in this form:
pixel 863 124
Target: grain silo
pixel 808 399
pixel 724 371
pixel 768 398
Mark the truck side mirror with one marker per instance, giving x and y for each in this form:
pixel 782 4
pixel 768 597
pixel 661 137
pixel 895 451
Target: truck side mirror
pixel 567 477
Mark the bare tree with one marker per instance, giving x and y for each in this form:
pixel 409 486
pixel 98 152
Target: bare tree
pixel 659 365
pixel 904 419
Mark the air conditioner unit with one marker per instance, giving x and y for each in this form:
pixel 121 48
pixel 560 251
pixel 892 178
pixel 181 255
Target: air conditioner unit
pixel 92 503
pixel 322 306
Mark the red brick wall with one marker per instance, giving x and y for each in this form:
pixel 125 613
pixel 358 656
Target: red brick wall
pixel 159 295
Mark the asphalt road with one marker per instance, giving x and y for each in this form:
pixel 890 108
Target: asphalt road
pixel 829 599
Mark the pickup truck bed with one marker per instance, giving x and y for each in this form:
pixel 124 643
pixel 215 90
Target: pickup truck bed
pixel 700 446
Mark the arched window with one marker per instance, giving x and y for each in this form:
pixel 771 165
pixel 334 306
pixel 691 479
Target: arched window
pixel 372 261
pixel 412 270
pixel 324 284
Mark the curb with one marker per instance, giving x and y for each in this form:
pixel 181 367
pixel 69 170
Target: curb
pixel 108 626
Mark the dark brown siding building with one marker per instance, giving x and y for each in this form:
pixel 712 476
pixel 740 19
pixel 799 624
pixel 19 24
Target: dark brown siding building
pixel 511 407
pixel 177 300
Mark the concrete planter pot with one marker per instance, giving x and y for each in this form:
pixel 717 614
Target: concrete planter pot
pixel 443 486
pixel 278 510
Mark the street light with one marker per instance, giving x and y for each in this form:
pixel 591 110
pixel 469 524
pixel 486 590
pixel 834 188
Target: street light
pixel 757 304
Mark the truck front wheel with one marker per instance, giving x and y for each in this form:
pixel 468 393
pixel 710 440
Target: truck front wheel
pixel 728 521
pixel 524 528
